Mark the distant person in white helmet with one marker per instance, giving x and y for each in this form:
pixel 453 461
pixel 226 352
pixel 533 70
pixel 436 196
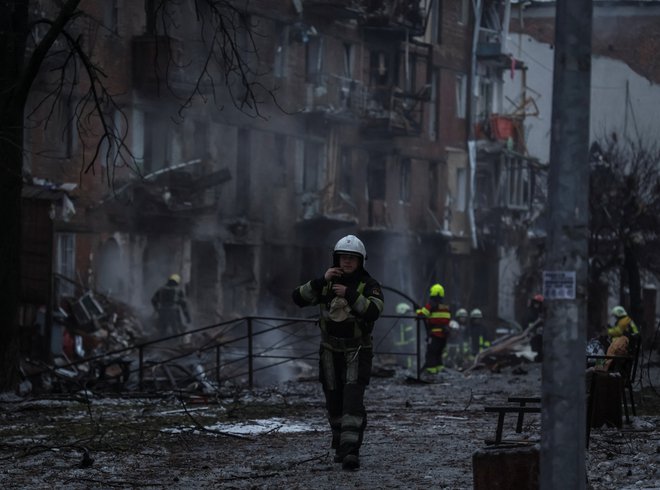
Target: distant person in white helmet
pixel 405 343
pixel 458 347
pixel 350 301
pixel 620 334
pixel 535 317
pixel 170 304
pixel 479 338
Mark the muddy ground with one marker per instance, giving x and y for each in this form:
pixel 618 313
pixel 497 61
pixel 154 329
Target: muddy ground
pixel 418 436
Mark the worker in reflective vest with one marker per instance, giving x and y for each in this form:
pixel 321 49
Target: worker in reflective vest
pixel 350 301
pixel 437 316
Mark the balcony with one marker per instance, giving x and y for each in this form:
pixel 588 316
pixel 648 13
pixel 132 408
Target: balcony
pixel 391 111
pixel 335 97
pixel 326 210
pixel 393 16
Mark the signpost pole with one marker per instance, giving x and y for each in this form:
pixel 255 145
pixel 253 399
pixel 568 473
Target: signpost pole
pixel 563 419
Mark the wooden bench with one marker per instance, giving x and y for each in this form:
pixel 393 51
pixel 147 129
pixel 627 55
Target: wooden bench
pixel 520 409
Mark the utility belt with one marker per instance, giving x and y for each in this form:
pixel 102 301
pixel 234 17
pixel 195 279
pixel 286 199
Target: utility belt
pixel 340 344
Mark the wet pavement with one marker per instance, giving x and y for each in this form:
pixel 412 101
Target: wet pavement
pixel 418 436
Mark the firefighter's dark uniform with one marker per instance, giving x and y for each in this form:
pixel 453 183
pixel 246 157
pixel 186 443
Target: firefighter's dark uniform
pixel 346 351
pixel 170 303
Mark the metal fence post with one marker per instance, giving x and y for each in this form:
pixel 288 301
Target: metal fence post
pixel 250 366
pixel 217 363
pixel 419 348
pixel 140 373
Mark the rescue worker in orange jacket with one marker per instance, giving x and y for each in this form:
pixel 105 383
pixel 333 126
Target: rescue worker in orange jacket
pixel 350 301
pixel 437 328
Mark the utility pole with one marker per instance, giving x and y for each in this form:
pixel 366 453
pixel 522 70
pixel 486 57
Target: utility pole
pixel 563 420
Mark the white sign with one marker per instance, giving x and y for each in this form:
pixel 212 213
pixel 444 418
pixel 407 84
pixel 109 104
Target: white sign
pixel 559 284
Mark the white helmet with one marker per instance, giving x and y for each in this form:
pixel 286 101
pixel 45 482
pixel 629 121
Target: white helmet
pixel 403 308
pixel 461 313
pixel 476 313
pixel 619 311
pixel 351 245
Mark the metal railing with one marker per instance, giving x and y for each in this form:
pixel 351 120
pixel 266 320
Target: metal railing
pixel 230 350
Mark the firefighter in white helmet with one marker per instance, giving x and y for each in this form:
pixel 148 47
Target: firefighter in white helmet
pixel 477 332
pixel 623 324
pixel 350 301
pixel 458 348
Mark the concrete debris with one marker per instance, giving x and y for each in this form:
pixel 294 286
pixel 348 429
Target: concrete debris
pixel 510 350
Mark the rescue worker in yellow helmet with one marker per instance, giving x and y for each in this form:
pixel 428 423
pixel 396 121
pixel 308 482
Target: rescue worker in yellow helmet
pixel 437 316
pixel 350 301
pixel 170 304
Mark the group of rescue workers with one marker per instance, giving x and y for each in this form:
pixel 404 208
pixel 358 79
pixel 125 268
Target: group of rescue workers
pixel 350 301
pixel 449 342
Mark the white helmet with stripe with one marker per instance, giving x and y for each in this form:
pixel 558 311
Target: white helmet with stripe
pixel 351 245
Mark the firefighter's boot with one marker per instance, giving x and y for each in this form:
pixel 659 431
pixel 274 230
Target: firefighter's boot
pixel 351 462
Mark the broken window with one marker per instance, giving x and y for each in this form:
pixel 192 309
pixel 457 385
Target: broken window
pixel 436 23
pixel 380 68
pixel 156 143
pixel 279 63
pixel 280 161
pixel 461 95
pixel 515 182
pixel 65 254
pixel 346 184
pixel 314 59
pixel 313 165
pixel 463 11
pixel 59 129
pixel 348 60
pixel 86 309
pixel 461 189
pixel 404 183
pixel 485 99
pixel 138 136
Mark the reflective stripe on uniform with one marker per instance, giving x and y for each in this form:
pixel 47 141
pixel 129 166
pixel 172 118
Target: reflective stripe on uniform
pixel 307 292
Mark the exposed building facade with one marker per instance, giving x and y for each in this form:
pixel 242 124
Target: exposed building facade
pixel 386 120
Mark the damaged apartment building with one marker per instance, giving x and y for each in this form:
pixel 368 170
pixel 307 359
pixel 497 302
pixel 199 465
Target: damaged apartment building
pixel 380 118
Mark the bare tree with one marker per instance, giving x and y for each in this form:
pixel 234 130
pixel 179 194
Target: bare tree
pixel 624 217
pixel 41 46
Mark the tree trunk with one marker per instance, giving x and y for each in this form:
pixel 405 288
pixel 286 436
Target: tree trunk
pixel 13 32
pixel 11 183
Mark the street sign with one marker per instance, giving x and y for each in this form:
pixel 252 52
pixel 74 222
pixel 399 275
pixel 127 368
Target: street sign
pixel 559 284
